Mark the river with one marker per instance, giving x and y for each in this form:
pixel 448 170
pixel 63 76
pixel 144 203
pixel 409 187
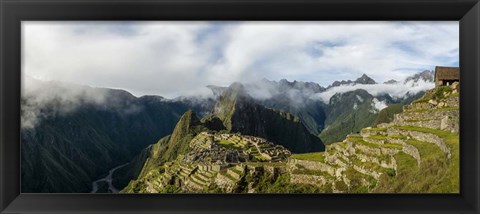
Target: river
pixel 107 179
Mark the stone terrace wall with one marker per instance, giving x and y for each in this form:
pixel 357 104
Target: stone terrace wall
pixel 308 179
pixel 311 165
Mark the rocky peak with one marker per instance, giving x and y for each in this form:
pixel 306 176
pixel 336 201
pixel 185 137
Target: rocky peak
pixel 285 85
pixel 188 120
pixel 216 90
pixel 392 81
pixel 424 75
pixel 235 91
pixel 228 102
pixel 364 79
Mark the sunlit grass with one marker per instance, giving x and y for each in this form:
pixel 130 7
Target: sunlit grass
pixel 314 156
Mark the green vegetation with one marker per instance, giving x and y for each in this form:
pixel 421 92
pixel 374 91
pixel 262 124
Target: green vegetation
pixel 311 172
pixel 435 109
pixel 386 114
pixel 436 94
pixel 391 172
pixel 154 159
pixel 392 146
pixel 341 186
pixel 233 143
pixel 377 129
pixel 343 118
pixel 272 164
pixel 121 177
pixel 435 174
pixel 314 156
pixel 378 137
pixel 359 139
pixel 357 179
pixel 230 144
pixel 282 184
pixel 236 171
pixel 287 115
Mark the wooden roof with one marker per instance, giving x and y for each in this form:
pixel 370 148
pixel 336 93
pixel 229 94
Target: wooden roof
pixel 447 73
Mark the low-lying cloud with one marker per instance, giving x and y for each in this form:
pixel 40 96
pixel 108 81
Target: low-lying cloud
pixel 43 99
pixel 378 105
pixel 396 90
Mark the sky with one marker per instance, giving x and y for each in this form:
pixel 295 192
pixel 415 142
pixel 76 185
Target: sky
pixel 171 58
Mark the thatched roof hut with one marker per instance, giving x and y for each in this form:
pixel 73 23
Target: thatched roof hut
pixel 446 75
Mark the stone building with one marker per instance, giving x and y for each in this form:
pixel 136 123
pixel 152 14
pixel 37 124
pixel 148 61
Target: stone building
pixel 446 75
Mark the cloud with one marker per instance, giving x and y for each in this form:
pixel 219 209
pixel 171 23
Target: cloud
pixel 397 90
pixel 156 59
pixel 296 94
pixel 378 105
pixel 44 99
pixel 178 58
pixel 359 98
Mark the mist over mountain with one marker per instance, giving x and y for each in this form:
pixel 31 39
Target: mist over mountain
pixel 318 107
pixel 241 113
pixel 398 90
pixel 427 76
pixel 349 112
pixel 293 97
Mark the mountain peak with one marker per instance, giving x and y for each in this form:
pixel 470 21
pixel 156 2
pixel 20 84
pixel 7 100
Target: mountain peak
pixel 237 86
pixel 188 119
pixel 216 90
pixel 425 75
pixel 364 79
pixel 228 101
pixel 234 92
pixel 392 81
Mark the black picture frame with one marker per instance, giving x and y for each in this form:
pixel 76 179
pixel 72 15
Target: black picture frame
pixel 14 11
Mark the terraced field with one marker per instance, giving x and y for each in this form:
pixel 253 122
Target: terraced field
pixel 217 163
pixel 416 153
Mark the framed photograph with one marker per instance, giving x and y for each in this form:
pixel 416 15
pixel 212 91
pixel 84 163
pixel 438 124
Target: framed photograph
pixel 239 106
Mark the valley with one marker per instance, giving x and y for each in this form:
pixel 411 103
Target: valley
pixel 106 180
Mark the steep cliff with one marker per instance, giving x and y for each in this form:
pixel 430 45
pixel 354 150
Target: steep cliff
pixel 240 113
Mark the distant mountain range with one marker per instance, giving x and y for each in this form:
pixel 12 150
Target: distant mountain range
pixel 364 79
pixel 72 135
